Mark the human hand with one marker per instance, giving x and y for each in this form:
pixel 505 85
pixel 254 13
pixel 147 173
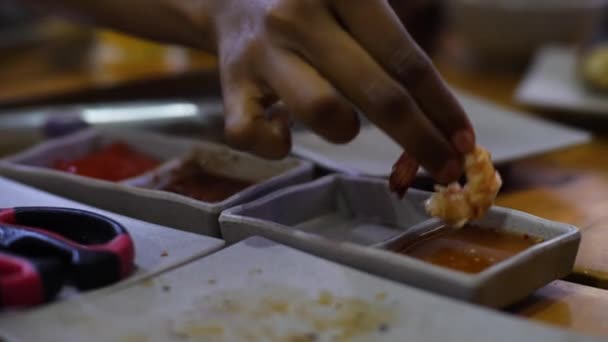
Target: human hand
pixel 322 59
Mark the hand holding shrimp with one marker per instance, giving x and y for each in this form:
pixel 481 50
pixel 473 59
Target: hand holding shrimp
pixel 456 204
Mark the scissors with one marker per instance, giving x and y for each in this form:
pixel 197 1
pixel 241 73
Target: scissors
pixel 42 248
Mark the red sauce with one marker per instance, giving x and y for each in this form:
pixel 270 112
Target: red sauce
pixel 114 162
pixel 193 181
pixel 471 249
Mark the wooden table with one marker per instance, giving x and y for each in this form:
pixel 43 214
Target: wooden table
pixel 569 185
pixel 102 66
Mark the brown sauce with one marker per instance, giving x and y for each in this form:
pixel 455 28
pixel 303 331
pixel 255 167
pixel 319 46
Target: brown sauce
pixel 193 181
pixel 471 249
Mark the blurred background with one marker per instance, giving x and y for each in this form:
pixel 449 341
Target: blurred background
pixel 46 62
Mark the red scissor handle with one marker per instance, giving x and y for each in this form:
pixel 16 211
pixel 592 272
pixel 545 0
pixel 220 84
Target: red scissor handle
pixel 25 282
pixel 99 250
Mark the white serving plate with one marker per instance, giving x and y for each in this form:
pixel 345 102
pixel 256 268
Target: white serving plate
pixel 151 241
pixel 378 220
pixel 258 290
pixel 506 134
pixel 133 197
pixel 552 82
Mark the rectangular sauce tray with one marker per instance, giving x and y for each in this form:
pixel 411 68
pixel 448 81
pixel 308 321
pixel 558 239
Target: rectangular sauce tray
pixel 357 222
pixel 143 196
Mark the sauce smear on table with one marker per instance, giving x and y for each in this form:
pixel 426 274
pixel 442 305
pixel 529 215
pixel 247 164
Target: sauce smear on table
pixel 193 181
pixel 114 162
pixel 470 249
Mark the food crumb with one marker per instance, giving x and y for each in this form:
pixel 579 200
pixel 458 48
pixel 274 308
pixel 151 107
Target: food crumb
pixel 278 306
pixel 193 331
pixel 211 281
pixel 231 306
pixel 312 336
pixel 166 288
pixel 164 253
pixel 380 296
pixel 325 298
pixel 135 337
pixel 309 337
pixel 255 271
pixel 147 283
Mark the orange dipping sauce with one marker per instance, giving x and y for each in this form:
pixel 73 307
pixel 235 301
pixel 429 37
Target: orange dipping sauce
pixel 471 249
pixel 193 181
pixel 114 162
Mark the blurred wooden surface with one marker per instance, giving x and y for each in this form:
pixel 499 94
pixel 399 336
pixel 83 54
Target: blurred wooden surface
pixel 568 186
pixel 97 66
pixel 567 305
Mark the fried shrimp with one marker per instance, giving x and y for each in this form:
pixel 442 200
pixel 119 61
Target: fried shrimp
pixel 456 204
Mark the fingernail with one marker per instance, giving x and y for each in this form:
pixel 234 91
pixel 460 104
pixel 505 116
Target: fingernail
pixel 450 171
pixel 463 141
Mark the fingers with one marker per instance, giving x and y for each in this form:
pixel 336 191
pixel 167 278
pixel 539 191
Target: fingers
pixel 321 57
pixel 310 98
pixel 247 125
pixel 367 85
pixel 403 174
pixel 377 28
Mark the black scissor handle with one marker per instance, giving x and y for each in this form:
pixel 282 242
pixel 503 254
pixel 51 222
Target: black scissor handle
pixel 80 226
pixel 99 250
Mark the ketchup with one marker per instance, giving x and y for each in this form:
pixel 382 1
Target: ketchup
pixel 114 162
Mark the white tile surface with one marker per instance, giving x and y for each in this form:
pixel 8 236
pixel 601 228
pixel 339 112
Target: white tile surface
pixel 552 82
pixel 150 240
pixel 261 291
pixel 506 134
